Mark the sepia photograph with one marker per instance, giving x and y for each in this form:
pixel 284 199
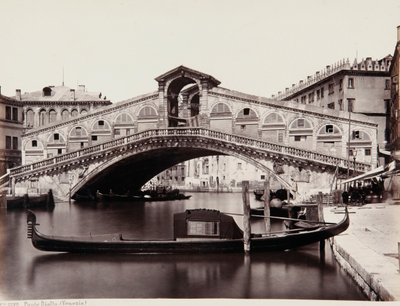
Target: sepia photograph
pixel 208 152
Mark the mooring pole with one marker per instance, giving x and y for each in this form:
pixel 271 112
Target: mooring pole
pixel 320 198
pixel 246 217
pixel 267 212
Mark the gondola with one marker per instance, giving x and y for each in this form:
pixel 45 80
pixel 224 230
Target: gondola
pixel 195 231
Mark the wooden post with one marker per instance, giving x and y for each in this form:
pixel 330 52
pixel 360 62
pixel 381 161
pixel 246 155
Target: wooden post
pixel 246 217
pixel 320 198
pixel 267 212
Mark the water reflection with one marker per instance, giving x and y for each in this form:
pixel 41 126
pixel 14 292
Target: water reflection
pixel 31 274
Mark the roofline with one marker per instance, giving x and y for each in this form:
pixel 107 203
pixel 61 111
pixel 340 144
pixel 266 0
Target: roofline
pixel 181 67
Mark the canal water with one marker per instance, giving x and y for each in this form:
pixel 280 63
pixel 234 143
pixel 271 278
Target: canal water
pixel 27 273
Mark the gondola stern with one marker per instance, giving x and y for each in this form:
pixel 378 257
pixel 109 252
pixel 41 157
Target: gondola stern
pixel 31 222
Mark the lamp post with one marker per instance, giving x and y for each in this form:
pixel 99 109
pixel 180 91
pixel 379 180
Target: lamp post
pixel 354 160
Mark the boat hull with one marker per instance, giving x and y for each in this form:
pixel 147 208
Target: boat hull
pixel 118 244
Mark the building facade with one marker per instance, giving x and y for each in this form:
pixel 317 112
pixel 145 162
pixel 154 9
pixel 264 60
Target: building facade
pixel 57 103
pixel 11 129
pixel 362 87
pixel 394 142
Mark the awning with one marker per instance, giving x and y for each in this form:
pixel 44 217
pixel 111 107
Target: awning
pixel 373 173
pixel 369 174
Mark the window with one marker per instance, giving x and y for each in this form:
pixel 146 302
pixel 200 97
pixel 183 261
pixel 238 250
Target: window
pixel 15 114
pixel 280 137
pixel 8 112
pixel 322 92
pixel 239 166
pixel 101 122
pixel 59 151
pixel 303 99
pixel 318 94
pixel 78 131
pixel 8 142
pixel 387 84
pixel 311 97
pixel 117 132
pixel 340 102
pixel 331 105
pixel 340 84
pixel 330 89
pixel 94 137
pixel 356 134
pixel 350 105
pixel 297 138
pixel 350 83
pixel 30 118
pixel 56 136
pixel 64 115
pixel 15 143
pixel 196 228
pixel 329 128
pixel 34 143
pixel 367 152
pixel 300 122
pixel 52 116
pixel 246 111
pixel 262 177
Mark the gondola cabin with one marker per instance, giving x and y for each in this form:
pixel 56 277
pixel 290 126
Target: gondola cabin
pixel 198 224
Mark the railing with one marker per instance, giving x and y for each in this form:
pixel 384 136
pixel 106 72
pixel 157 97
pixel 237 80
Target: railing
pixel 254 143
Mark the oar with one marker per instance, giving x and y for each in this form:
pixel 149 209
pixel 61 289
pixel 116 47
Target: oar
pixel 282 218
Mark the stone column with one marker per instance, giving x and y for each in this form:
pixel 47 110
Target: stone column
pixel 162 106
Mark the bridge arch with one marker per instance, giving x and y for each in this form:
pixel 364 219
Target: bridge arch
pixel 152 158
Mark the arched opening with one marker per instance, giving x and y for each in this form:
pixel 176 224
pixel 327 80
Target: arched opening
pixel 178 93
pixel 221 118
pixel 273 128
pixel 147 118
pixel 329 140
pixel 123 125
pixel 30 118
pixel 64 115
pixel 301 133
pixel 246 122
pixel 52 116
pixel 78 138
pixel 42 117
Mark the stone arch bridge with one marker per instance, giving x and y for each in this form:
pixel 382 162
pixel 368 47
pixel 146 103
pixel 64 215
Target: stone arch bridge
pixel 125 144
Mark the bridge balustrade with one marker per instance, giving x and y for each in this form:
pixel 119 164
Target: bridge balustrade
pixel 212 134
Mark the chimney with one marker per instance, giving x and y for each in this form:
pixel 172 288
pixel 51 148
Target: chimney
pixel 398 33
pixel 73 93
pixel 18 94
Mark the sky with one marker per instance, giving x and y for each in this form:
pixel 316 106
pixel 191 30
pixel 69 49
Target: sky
pixel 118 47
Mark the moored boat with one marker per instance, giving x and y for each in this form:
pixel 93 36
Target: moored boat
pixel 197 230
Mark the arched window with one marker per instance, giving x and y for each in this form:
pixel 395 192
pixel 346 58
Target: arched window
pixel 52 116
pixel 205 166
pixel 221 109
pixel 247 114
pixel 147 112
pixel 301 123
pixel 42 117
pixel 30 118
pixel 64 115
pixel 123 118
pixel 74 113
pixel 101 125
pixel 78 132
pixel 84 112
pixel 273 118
